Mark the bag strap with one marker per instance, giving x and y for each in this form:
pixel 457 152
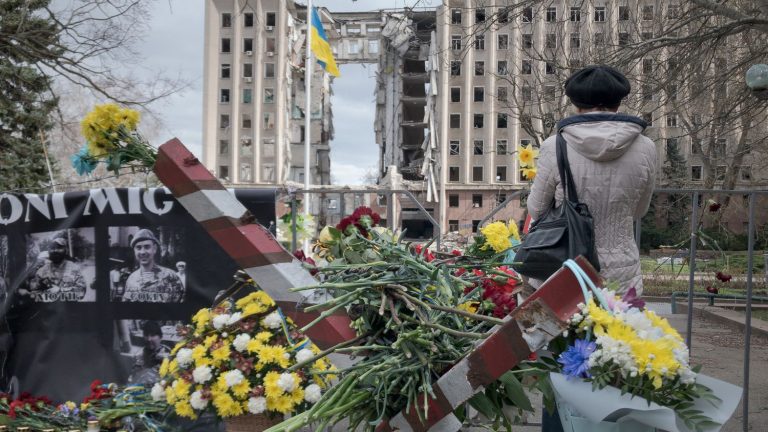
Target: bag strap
pixel 564 167
pixel 586 284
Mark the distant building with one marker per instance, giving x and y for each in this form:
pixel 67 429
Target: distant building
pixel 453 86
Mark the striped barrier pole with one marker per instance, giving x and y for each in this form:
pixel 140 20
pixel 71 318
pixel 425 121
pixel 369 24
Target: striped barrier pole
pixel 253 247
pixel 542 317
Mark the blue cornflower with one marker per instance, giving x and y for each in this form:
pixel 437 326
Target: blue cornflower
pixel 575 359
pixel 83 162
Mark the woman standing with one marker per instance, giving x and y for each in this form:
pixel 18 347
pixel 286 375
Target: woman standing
pixel 614 168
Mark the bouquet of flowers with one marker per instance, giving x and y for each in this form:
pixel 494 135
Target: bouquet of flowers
pixel 619 361
pixel 112 137
pixel 108 406
pixel 235 359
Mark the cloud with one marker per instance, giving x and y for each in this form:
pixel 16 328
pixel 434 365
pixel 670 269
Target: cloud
pixel 348 173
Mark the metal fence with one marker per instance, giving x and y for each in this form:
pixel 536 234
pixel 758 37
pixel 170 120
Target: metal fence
pixel 698 208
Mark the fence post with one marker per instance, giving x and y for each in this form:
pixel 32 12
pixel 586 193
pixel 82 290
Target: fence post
pixel 692 267
pixel 748 312
pixel 765 267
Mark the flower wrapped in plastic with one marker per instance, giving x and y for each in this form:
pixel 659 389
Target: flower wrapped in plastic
pixel 621 363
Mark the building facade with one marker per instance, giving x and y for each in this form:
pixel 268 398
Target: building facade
pixel 253 127
pixel 459 89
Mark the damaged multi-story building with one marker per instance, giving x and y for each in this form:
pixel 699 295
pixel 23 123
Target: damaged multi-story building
pixel 457 91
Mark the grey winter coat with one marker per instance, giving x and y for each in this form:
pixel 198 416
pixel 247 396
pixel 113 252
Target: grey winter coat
pixel 614 167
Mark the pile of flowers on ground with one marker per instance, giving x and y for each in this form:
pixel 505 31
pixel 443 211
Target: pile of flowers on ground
pixel 112 137
pixel 235 360
pixel 108 405
pixel 416 312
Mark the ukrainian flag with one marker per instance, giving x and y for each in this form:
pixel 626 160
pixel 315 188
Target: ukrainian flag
pixel 320 46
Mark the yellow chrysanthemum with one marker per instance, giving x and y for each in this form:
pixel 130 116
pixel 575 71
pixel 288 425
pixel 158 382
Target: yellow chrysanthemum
pixel 201 319
pixel 173 367
pixel 297 395
pixel 271 389
pixel 242 389
pixel 282 404
pixel 526 155
pixel 254 346
pixel 258 297
pixel 528 173
pixel 170 396
pixel 496 237
pixel 225 405
pixel 177 347
pixel 513 232
pixel 273 354
pixel 199 355
pixel 100 127
pixel 180 389
pixel 164 367
pixel 263 336
pixel 663 324
pixel 184 409
pixel 221 354
pixel 210 340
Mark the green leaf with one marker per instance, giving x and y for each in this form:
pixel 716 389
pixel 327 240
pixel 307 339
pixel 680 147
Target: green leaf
pixel 515 392
pixel 483 404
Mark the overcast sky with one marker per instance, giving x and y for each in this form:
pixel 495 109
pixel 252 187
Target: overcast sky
pixel 174 45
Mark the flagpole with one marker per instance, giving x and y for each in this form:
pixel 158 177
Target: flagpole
pixel 308 69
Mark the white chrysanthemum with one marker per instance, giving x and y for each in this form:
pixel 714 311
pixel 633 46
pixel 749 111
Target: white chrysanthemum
pixel 235 317
pixel 312 393
pixel 233 377
pixel 241 342
pixel 197 401
pixel 220 321
pixel 304 355
pixel 184 357
pixel 286 382
pixel 257 405
pixel 202 374
pixel 158 392
pixel 273 320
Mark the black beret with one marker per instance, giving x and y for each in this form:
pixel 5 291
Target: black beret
pixel 597 86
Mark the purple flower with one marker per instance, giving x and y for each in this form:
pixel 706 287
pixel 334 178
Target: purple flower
pixel 575 359
pixel 631 297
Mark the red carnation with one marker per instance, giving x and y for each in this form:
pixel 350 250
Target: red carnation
pixel 714 206
pixel 722 277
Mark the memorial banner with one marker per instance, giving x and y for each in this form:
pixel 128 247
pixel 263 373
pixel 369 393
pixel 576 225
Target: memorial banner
pixel 93 284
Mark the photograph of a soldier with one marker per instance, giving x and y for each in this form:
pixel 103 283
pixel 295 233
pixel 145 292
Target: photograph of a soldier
pixel 147 271
pixel 60 266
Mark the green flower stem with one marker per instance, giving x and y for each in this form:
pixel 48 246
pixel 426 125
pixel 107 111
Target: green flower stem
pixel 467 314
pixel 327 351
pixel 450 331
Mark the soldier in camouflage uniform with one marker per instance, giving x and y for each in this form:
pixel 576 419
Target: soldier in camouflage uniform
pixel 59 279
pixel 151 282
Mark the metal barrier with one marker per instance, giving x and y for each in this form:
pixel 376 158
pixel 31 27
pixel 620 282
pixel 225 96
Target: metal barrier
pixel 390 193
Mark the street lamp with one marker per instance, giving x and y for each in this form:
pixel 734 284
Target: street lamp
pixel 757 80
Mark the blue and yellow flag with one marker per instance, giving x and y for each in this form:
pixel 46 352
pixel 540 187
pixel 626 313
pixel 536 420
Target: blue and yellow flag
pixel 320 46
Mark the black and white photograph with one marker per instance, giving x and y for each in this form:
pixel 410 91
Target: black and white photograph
pixel 60 266
pixel 142 346
pixel 147 264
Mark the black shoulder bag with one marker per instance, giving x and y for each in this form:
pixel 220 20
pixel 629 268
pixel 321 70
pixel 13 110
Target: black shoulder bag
pixel 562 233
